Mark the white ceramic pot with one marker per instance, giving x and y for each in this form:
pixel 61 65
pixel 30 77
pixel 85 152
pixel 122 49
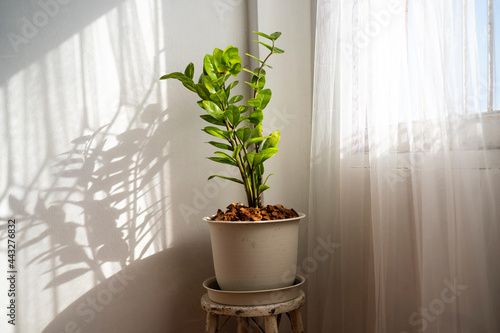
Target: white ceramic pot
pixel 258 255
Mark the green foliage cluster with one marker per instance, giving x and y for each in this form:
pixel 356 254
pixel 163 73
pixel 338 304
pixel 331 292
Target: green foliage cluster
pixel 240 126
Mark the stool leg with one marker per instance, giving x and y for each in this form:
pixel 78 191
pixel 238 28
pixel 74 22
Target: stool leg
pixel 271 324
pixel 242 324
pixel 296 320
pixel 212 322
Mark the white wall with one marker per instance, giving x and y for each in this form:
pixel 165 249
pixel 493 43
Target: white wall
pixel 70 67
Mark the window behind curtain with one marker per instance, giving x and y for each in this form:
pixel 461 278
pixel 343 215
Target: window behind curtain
pixel 487 17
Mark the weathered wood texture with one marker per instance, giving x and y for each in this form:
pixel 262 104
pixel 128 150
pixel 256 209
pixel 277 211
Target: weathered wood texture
pixel 269 312
pixel 212 322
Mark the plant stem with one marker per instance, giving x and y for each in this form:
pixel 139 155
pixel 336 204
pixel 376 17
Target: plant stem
pixel 257 180
pixel 255 93
pixel 241 165
pixel 254 188
pixel 234 141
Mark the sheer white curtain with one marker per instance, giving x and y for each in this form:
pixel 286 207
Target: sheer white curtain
pixel 405 171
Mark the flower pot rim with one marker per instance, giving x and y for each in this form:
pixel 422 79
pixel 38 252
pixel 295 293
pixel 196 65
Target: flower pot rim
pixel 301 216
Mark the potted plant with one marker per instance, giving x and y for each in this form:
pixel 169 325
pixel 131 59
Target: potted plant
pixel 254 246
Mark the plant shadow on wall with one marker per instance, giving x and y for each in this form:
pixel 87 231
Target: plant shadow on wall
pixel 111 179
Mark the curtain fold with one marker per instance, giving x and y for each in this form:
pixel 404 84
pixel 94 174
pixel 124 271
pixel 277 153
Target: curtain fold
pixel 404 170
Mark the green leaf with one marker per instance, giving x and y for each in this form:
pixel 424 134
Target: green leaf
pixel 263 187
pixel 223 160
pixel 264 97
pixel 213 109
pixel 212 120
pixel 222 154
pixel 259 82
pixel 256 117
pixel 208 67
pixel 275 35
pixel 277 50
pixel 202 91
pixel 263 35
pixel 231 54
pixel 252 72
pixel 228 178
pixel 253 102
pixel 232 85
pixel 268 153
pixel 235 69
pixel 259 170
pixel 254 87
pixel 174 75
pixel 272 141
pixel 255 58
pixel 235 99
pixel 233 115
pixel 261 61
pixel 220 80
pixel 209 84
pixel 243 108
pixel 256 140
pixel 262 71
pixel 219 97
pixel 232 60
pixel 220 66
pixel 273 49
pixel 189 71
pixel 250 157
pixel 214 131
pixel 244 133
pixel 221 145
pixel 190 85
pixel 257 131
pixel 221 94
pixel 186 81
pixel 269 47
pixel 263 155
pixel 214 98
pixel 265 180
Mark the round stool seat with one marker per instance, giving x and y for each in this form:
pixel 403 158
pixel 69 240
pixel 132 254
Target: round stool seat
pixel 270 313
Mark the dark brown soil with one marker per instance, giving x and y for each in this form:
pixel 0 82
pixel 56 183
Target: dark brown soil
pixel 240 212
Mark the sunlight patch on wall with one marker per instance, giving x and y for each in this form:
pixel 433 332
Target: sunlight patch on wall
pixel 85 158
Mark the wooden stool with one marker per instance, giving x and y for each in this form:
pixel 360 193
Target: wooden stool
pixel 246 313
